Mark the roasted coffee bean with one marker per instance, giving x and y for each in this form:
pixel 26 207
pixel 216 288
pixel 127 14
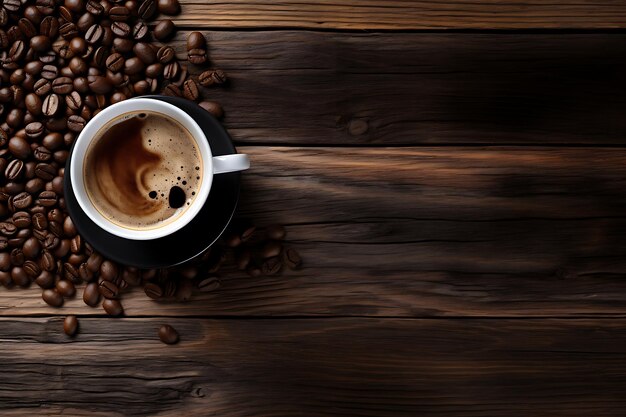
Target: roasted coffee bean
pixel 172 90
pixel 121 29
pixel 85 21
pixel 52 298
pixel 109 271
pixel 94 34
pixel 292 258
pixel 33 104
pixel 32 269
pixel 95 8
pixel 145 53
pixel 62 85
pixel 47 261
pixel 197 56
pixel 21 219
pixel 57 185
pixel 49 72
pixel 91 295
pixel 68 227
pixel 74 102
pixel 68 31
pixel 209 284
pixel 17 257
pixel 78 66
pixel 119 14
pixel 13 188
pixel 56 229
pixel 17 76
pixel 94 262
pixel 217 76
pixel 31 248
pixel 22 200
pixel 66 14
pixel 33 14
pixel 39 221
pixel 70 325
pixel 131 276
pixel 15 118
pixel 153 290
pixel 34 185
pixel 271 266
pixel 165 54
pixel 51 242
pixel 140 30
pixel 17 51
pixel 117 97
pixel 133 66
pixel 42 87
pixel 271 249
pixel 75 123
pixel 100 56
pixel 212 107
pixel 48 198
pixel 113 307
pixel 84 272
pixel 74 5
pixel 169 7
pixel 40 43
pixel 147 9
pixel 76 244
pixel 123 45
pixel 45 171
pixel 195 40
pixel 12 5
pixel 20 277
pixel 99 84
pixel 5 277
pixel 170 71
pixel 56 124
pixel 66 288
pixel 5 261
pixel 27 28
pixel 50 105
pixel 42 154
pixel 108 290
pixel 71 273
pixel 14 170
pixel 232 240
pixel 45 280
pixel 164 30
pixel 190 90
pixel 152 71
pixel 168 335
pixel 34 130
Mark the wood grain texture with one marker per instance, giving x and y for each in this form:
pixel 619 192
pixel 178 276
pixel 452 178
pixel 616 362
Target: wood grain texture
pixel 417 232
pixel 290 87
pixel 347 367
pixel 404 14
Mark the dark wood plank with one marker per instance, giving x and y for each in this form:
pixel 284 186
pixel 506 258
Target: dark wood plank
pixel 403 14
pixel 371 89
pixel 348 367
pixel 422 232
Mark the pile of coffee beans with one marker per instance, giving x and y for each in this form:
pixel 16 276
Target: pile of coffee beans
pixel 62 62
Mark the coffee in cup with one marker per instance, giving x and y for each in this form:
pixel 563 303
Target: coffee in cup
pixel 142 170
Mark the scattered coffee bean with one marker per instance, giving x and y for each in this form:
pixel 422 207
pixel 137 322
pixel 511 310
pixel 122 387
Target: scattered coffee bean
pixel 292 259
pixel 108 289
pixel 209 284
pixel 190 90
pixel 212 107
pixel 168 335
pixel 112 307
pixel 271 266
pixel 91 295
pixel 70 325
pixel 153 290
pixel 52 298
pixel 164 30
pixel 66 288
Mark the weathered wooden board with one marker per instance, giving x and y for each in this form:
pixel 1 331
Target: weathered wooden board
pixel 404 14
pixel 423 231
pixel 291 87
pixel 351 367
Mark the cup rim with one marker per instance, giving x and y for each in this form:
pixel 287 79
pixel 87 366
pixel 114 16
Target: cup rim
pixel 85 138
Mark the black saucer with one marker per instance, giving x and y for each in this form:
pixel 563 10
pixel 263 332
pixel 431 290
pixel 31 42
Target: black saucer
pixel 187 242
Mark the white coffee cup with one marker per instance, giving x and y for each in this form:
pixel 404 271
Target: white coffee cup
pixel 211 165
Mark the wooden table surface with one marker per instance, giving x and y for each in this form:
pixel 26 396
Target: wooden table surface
pixel 453 173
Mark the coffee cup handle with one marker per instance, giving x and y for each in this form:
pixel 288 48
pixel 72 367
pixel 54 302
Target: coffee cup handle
pixel 230 163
